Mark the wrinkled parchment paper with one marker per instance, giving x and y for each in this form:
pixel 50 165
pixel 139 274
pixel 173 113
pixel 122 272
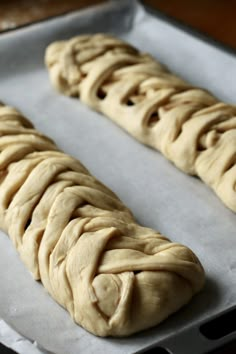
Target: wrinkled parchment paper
pixel 160 196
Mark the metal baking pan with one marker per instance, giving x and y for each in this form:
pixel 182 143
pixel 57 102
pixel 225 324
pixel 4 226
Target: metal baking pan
pixel 160 196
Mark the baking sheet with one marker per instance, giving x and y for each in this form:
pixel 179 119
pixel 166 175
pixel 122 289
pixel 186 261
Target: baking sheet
pixel 160 196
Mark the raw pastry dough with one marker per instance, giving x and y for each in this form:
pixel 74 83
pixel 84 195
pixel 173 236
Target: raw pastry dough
pixel 112 275
pixel 188 125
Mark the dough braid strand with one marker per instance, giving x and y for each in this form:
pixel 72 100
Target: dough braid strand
pixel 188 125
pixel 74 234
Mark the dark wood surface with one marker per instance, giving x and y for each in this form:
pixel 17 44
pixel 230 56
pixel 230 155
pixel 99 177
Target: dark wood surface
pixel 216 18
pixel 14 13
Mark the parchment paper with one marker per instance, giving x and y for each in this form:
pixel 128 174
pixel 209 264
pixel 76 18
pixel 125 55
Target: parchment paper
pixel 160 196
pixel 10 338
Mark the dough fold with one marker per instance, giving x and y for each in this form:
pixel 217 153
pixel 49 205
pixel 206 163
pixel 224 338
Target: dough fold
pixel 74 235
pixel 188 125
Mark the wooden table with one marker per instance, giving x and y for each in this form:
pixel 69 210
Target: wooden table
pixel 213 17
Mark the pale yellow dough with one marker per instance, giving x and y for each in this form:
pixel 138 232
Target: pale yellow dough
pixel 187 124
pixel 74 234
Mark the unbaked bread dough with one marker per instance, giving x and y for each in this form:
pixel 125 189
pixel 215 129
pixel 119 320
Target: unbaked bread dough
pixel 74 234
pixel 188 125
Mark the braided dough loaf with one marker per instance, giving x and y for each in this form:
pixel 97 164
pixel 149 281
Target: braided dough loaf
pixel 188 125
pixel 112 275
